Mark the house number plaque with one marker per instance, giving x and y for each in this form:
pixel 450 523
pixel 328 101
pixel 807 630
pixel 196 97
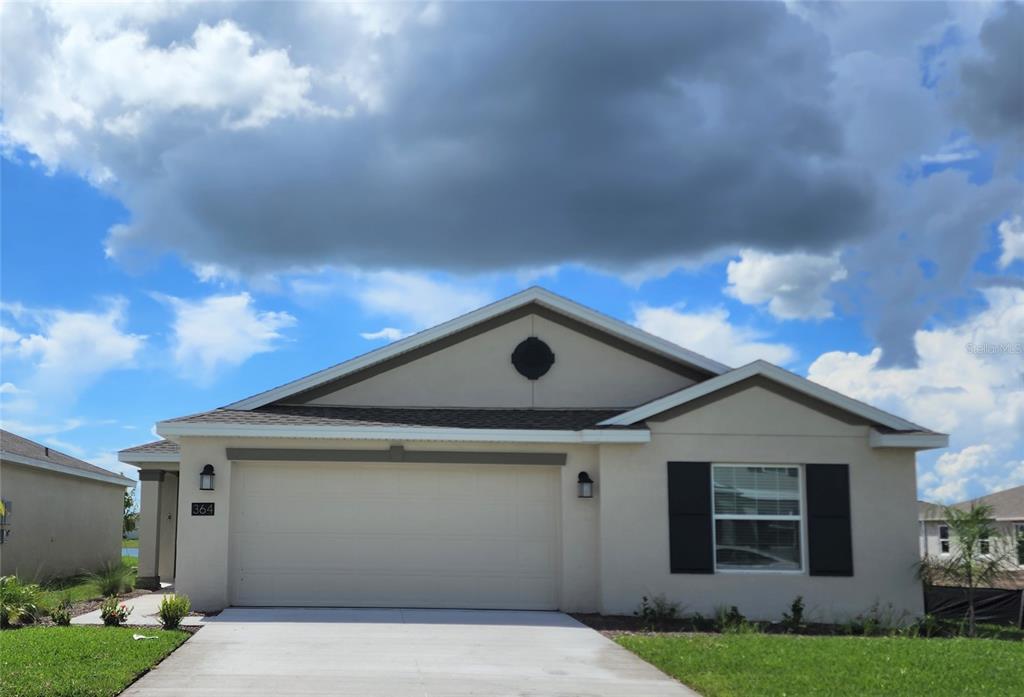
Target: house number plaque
pixel 202 509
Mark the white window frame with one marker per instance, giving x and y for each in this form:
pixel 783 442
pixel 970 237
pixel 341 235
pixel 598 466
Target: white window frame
pixel 945 539
pixel 1018 529
pixel 800 519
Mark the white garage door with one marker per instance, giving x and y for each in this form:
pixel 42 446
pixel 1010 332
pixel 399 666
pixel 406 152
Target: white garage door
pixel 373 535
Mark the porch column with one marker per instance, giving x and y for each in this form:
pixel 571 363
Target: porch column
pixel 151 483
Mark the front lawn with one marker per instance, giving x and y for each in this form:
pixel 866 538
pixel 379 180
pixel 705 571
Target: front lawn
pixel 756 665
pixel 130 543
pixel 78 661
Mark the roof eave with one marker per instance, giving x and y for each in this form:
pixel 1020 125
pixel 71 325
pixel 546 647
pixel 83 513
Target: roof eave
pixel 172 429
pixel 133 458
pixel 110 478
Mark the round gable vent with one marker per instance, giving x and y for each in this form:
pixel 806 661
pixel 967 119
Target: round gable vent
pixel 532 358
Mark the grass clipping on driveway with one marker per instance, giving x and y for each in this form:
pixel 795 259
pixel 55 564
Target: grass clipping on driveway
pixel 756 665
pixel 79 661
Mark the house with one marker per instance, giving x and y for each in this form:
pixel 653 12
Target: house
pixel 1008 512
pixel 536 454
pixel 62 515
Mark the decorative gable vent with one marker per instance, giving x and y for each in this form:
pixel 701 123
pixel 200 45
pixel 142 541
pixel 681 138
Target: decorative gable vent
pixel 533 358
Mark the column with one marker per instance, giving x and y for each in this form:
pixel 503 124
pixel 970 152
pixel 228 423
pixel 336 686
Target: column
pixel 151 483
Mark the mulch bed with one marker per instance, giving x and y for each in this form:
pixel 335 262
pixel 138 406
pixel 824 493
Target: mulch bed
pixel 84 606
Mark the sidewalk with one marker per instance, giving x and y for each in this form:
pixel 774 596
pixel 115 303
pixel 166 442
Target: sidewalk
pixel 143 612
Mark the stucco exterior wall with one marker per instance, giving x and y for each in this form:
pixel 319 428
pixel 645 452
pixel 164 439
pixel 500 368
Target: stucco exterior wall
pixel 758 426
pixel 930 535
pixel 478 372
pixel 204 561
pixel 61 524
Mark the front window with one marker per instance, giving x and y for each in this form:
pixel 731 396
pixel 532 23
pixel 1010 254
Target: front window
pixel 758 516
pixel 984 546
pixel 1020 544
pixel 944 539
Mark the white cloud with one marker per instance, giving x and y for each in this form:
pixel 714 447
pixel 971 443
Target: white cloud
pixel 794 285
pixel 418 299
pixel 1011 233
pixel 221 331
pixel 387 333
pixel 969 383
pixel 8 336
pixel 710 333
pixel 67 351
pixel 958 150
pixel 10 388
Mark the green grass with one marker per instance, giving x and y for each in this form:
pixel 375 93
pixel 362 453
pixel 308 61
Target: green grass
pixel 75 588
pixel 78 661
pixel 758 665
pixel 131 561
pixel 130 543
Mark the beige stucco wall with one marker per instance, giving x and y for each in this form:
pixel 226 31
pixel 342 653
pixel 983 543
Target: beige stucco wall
pixel 757 426
pixel 929 542
pixel 61 524
pixel 204 562
pixel 478 372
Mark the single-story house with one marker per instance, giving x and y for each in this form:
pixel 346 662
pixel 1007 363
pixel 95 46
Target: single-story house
pixel 1008 512
pixel 61 515
pixel 536 454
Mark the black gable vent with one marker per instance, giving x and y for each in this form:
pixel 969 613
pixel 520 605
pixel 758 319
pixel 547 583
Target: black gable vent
pixel 533 358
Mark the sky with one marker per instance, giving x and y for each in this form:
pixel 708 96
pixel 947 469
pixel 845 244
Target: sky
pixel 203 201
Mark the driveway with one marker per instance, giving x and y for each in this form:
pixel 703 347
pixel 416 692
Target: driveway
pixel 369 652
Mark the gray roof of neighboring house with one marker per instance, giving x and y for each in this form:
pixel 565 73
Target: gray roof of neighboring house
pixel 14 445
pixel 530 419
pixel 1006 505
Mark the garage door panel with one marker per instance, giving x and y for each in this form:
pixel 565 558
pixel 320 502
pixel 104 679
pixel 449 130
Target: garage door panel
pixel 401 535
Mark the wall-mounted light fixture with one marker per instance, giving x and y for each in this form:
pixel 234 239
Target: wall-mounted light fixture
pixel 206 478
pixel 584 486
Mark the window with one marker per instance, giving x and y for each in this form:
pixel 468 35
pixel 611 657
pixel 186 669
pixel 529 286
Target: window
pixel 1020 544
pixel 758 518
pixel 983 546
pixel 944 539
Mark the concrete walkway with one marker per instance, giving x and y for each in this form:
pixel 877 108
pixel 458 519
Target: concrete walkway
pixel 144 610
pixel 392 653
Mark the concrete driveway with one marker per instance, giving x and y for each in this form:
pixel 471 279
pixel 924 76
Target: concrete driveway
pixel 369 652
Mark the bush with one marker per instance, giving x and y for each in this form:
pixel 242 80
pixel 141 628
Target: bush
pixel 793 620
pixel 19 602
pixel 61 614
pixel 113 578
pixel 172 609
pixel 114 613
pixel 731 620
pixel 656 611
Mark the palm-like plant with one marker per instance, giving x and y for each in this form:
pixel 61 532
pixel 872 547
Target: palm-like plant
pixel 979 556
pixel 19 602
pixel 113 578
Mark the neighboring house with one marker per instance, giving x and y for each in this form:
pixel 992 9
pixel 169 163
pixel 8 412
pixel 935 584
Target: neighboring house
pixel 536 454
pixel 63 515
pixel 1008 512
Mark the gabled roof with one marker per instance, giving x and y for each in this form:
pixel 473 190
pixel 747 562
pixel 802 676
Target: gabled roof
pixel 1007 504
pixel 535 296
pixel 894 432
pixel 157 451
pixel 14 448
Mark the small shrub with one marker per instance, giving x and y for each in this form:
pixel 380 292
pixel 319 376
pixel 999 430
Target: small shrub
pixel 793 621
pixel 61 614
pixel 731 620
pixel 19 602
pixel 113 613
pixel 113 578
pixel 172 609
pixel 656 611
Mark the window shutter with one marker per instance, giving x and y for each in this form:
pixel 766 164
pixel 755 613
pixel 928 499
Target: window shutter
pixel 829 539
pixel 689 518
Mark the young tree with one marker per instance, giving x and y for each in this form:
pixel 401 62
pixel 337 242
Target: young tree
pixel 979 555
pixel 131 516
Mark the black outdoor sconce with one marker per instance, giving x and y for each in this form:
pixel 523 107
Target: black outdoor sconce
pixel 206 478
pixel 584 486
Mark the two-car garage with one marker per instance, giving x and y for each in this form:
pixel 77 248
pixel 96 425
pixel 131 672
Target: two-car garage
pixel 406 535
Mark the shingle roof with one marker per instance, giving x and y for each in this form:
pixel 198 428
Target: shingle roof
pixel 1006 505
pixel 926 510
pixel 531 419
pixel 13 444
pixel 161 447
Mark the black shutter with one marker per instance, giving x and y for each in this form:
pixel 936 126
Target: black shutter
pixel 689 518
pixel 829 539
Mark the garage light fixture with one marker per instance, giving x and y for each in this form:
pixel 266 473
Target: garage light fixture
pixel 206 478
pixel 584 486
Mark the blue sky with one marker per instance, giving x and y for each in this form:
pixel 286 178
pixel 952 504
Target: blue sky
pixel 291 186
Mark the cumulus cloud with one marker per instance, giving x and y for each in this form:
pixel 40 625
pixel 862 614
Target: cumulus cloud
pixel 794 286
pixel 710 333
pixel 67 351
pixel 418 299
pixel 969 383
pixel 221 331
pixel 387 333
pixel 949 481
pixel 1011 234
